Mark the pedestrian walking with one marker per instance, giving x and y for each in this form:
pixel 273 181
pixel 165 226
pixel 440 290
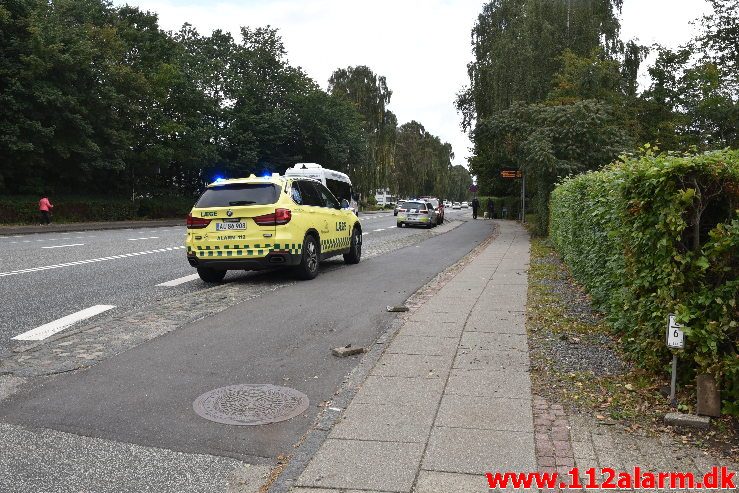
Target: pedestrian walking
pixel 44 207
pixel 475 207
pixel 491 208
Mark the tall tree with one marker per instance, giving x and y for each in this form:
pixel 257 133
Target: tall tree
pixel 422 162
pixel 517 46
pixel 370 95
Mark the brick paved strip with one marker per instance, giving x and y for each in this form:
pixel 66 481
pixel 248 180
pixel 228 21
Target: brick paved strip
pixel 552 437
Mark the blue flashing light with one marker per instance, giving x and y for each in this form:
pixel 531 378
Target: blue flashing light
pixel 266 174
pixel 217 178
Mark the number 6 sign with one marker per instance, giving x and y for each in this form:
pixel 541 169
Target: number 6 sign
pixel 675 335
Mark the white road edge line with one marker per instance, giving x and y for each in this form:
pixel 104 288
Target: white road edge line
pixel 181 280
pixel 89 261
pixel 43 331
pixel 378 230
pixel 65 246
pixel 144 238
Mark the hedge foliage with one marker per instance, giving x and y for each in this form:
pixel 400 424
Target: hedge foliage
pixel 24 209
pixel 511 203
pixel 654 235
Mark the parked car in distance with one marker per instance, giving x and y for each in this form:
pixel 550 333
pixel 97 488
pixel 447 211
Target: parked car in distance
pixel 456 205
pixel 417 213
pixel 438 207
pixel 465 205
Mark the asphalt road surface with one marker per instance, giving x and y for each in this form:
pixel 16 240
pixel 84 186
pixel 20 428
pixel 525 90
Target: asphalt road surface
pixel 144 396
pixel 45 277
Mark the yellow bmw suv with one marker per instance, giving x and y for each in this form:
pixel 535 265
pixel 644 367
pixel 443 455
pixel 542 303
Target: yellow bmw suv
pixel 257 223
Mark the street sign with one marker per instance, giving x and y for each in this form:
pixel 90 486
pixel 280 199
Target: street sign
pixel 675 334
pixel 511 173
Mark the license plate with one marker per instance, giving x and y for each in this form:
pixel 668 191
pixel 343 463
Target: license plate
pixel 230 226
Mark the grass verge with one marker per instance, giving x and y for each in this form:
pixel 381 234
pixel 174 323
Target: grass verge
pixel 576 361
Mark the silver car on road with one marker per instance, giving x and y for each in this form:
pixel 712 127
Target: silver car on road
pixel 417 212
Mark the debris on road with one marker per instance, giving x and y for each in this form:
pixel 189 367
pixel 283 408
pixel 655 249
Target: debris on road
pixel 398 308
pixel 348 350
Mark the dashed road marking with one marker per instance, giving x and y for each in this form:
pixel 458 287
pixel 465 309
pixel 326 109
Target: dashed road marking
pixel 65 246
pixel 88 261
pixel 43 331
pixel 181 280
pixel 144 238
pixel 378 230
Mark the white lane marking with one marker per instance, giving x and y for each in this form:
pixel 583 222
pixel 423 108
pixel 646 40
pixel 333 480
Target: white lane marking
pixel 365 234
pixel 378 230
pixel 43 331
pixel 181 280
pixel 88 261
pixel 144 238
pixel 65 246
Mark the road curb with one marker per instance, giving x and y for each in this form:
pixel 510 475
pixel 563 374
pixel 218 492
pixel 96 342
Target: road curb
pixel 91 226
pixel 309 444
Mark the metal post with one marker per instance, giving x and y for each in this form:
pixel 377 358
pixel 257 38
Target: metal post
pixel 673 401
pixel 523 198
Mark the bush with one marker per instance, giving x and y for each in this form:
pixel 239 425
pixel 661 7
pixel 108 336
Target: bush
pixel 655 235
pixel 69 209
pixel 511 203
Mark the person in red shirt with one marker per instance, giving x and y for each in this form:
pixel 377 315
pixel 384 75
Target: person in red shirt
pixel 45 206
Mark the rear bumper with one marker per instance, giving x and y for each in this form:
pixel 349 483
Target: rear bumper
pixel 424 221
pixel 270 261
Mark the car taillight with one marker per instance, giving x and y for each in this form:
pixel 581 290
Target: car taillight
pixel 280 216
pixel 196 222
pixel 402 210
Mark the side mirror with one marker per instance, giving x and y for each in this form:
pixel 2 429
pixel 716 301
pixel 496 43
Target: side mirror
pixel 345 204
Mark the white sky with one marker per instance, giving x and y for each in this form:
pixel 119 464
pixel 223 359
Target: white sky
pixel 421 46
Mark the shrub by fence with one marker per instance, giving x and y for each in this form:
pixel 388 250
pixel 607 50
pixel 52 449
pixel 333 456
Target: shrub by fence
pixel 511 205
pixel 655 235
pixel 24 209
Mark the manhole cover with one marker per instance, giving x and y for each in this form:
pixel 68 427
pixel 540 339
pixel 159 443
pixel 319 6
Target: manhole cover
pixel 250 404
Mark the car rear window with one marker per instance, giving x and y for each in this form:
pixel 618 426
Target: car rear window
pixel 239 194
pixel 414 205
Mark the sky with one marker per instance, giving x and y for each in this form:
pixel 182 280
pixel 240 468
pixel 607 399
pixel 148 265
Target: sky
pixel 422 47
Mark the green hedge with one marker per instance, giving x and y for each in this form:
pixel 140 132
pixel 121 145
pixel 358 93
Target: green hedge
pixel 655 235
pixel 69 209
pixel 511 203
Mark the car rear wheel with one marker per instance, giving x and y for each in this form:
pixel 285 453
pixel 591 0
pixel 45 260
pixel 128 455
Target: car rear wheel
pixel 401 225
pixel 355 250
pixel 308 267
pixel 211 275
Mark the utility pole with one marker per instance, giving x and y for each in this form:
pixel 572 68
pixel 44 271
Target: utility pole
pixel 523 198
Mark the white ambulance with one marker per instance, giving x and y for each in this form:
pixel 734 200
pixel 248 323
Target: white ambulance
pixel 336 181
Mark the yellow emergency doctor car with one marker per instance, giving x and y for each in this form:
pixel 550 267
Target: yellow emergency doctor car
pixel 261 222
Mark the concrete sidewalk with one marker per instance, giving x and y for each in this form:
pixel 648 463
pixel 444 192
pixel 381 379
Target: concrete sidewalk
pixel 450 399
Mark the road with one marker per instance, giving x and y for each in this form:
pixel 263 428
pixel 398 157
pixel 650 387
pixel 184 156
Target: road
pixel 143 396
pixel 120 268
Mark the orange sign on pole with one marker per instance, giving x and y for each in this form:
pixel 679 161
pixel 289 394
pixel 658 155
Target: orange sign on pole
pixel 511 173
